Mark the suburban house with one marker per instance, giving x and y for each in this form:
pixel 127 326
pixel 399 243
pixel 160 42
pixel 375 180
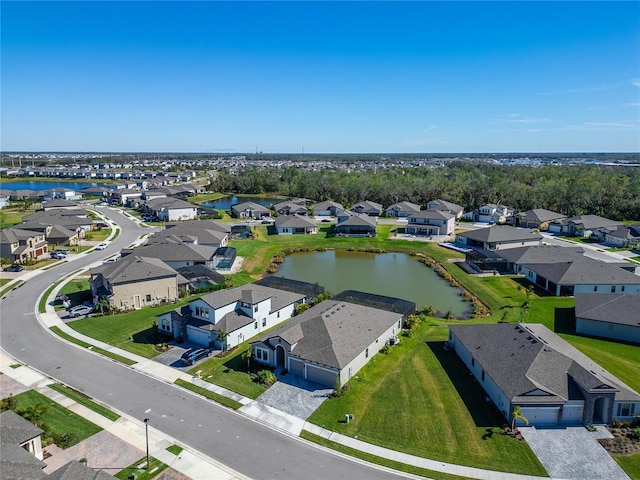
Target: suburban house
pixel 196 232
pixel 200 276
pixel 431 222
pixel 175 253
pixel 529 366
pixel 172 209
pixel 70 219
pixel 327 208
pixel 124 196
pixel 444 206
pixel 241 313
pixel 291 207
pixel 329 343
pixel 498 237
pixel 609 315
pixel 537 218
pixel 582 226
pixel 63 193
pixel 135 282
pixel 19 245
pixel 22 453
pixel 402 209
pixel 490 213
pixel 250 210
pixel 369 208
pixel 355 225
pixel 516 259
pixel 294 224
pixel 619 235
pixel 59 204
pixel 309 290
pixel 581 275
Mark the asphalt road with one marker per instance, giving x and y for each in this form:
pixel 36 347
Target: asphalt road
pixel 244 445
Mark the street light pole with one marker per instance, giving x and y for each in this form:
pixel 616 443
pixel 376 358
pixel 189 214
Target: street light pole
pixel 146 431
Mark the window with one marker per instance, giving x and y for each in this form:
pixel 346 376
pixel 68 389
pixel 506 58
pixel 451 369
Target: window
pixel 255 325
pixel 483 375
pixel 255 309
pixel 622 288
pixel 366 353
pixel 264 322
pixel 278 314
pixel 202 312
pixel 626 409
pixel 473 362
pixel 613 289
pixel 262 354
pixel 148 298
pixel 595 288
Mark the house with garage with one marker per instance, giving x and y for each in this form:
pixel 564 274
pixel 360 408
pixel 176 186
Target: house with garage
pixel 621 236
pixel 553 383
pixel 498 237
pixel 490 213
pixel 291 207
pixel 355 225
pixel 250 210
pixel 609 315
pixel 134 282
pixel 327 208
pixel 431 222
pixel 20 245
pixel 518 258
pixel 444 206
pixel 581 226
pixel 175 253
pixel 329 343
pixel 581 275
pixel 366 207
pixel 59 204
pixel 294 225
pixel 241 313
pixel 171 209
pixel 402 209
pixel 194 232
pixel 539 218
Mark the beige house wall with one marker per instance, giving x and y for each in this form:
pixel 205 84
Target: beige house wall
pixel 141 294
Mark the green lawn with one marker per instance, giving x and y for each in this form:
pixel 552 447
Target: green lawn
pixel 418 399
pixel 630 464
pixel 98 235
pixel 138 471
pixel 4 281
pixel 78 291
pixel 58 420
pixel 12 216
pixel 84 400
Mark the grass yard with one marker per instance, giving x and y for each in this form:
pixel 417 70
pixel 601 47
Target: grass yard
pixel 97 235
pixel 59 420
pixel 139 471
pixel 84 400
pixel 131 331
pixel 418 399
pixel 4 281
pixel 630 464
pixel 77 290
pixel 12 216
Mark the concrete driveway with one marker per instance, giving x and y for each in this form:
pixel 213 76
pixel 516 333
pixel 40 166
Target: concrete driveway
pixel 573 453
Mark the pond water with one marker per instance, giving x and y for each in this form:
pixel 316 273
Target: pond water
pixel 40 186
pixel 225 203
pixel 392 274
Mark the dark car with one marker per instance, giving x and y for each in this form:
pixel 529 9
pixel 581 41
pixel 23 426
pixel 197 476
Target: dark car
pixel 14 268
pixel 192 356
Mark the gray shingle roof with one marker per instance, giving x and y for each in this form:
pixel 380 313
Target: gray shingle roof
pixel 204 232
pixel 433 215
pixel 609 307
pixel 326 205
pixel 439 204
pixel 75 470
pixel 333 333
pixel 543 254
pixel 175 251
pixel 15 462
pixel 358 220
pixel 404 206
pixel 539 215
pixel 279 298
pixel 134 268
pixel 294 221
pixel 584 271
pixel 590 222
pixel 500 233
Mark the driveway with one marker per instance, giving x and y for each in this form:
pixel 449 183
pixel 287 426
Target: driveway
pixel 295 396
pixel 172 356
pixel 573 453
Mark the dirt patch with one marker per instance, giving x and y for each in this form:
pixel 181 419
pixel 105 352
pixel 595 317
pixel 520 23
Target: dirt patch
pixel 625 441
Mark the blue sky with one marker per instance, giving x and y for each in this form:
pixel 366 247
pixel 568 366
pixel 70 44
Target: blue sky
pixel 323 77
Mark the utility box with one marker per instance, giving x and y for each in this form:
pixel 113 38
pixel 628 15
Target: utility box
pixel 347 417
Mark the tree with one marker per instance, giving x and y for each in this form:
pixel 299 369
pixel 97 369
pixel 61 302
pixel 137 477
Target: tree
pixel 222 337
pixel 517 415
pixel 102 305
pixel 247 355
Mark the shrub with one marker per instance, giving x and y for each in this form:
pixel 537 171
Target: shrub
pixel 385 350
pixel 266 378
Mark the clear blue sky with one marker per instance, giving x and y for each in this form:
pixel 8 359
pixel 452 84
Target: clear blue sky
pixel 326 77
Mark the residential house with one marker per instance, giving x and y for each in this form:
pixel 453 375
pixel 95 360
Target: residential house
pixel 582 226
pixel 581 275
pixel 444 206
pixel 529 366
pixel 490 213
pixel 402 209
pixel 59 204
pixel 62 193
pixel 20 245
pixel 241 313
pixel 171 209
pixel 153 194
pixel 195 232
pixel 329 343
pixel 135 281
pixel 619 235
pixel 366 207
pixel 539 218
pixel 200 276
pixel 76 470
pixel 125 196
pixel 294 224
pixel 291 207
pixel 4 201
pixel 518 258
pixel 431 222
pixel 355 225
pixel 71 219
pixel 609 315
pixel 250 210
pixel 175 253
pixel 21 447
pixel 309 290
pixel 499 237
pixel 100 192
pixel 327 208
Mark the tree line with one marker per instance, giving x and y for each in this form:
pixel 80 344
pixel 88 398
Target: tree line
pixel 609 191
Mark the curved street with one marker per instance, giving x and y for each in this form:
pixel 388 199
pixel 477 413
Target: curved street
pixel 240 443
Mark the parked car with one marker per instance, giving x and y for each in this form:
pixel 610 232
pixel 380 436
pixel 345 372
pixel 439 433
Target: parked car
pixel 14 268
pixel 111 260
pixel 102 225
pixel 102 246
pixel 193 355
pixel 58 255
pixel 80 310
pixel 64 251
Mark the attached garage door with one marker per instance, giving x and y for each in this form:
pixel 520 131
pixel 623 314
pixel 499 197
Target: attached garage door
pixel 321 376
pixel 540 415
pixel 198 336
pixel 296 367
pixel 572 414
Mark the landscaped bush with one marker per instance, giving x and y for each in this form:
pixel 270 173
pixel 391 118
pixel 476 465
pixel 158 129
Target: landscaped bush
pixel 266 378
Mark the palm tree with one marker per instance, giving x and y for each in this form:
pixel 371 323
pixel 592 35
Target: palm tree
pixel 517 415
pixel 222 337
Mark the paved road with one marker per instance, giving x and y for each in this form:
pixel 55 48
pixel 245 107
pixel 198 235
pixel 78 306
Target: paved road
pixel 244 445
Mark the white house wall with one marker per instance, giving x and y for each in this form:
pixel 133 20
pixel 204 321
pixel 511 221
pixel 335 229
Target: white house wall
pixel 628 289
pixel 176 214
pixel 614 331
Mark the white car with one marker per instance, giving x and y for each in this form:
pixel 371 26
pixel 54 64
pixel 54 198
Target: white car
pixel 102 246
pixel 111 260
